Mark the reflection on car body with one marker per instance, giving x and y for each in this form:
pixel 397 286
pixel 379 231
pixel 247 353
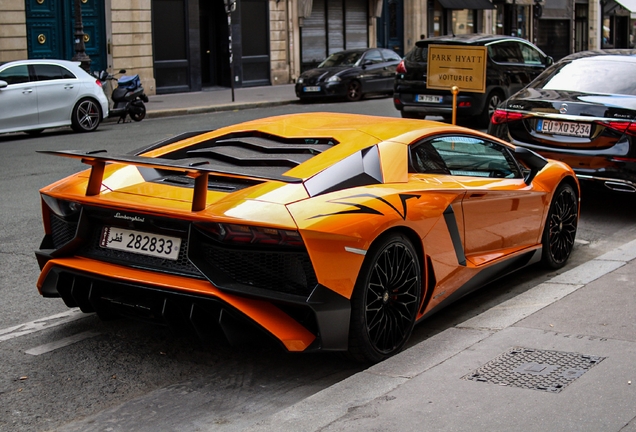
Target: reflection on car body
pixel 354 229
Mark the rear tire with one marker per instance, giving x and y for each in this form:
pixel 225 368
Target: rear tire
pixel 86 116
pixel 138 115
pixel 560 227
pixel 385 299
pixel 492 102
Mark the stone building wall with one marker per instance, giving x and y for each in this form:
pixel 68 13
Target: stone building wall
pixel 13 41
pixel 279 53
pixel 131 40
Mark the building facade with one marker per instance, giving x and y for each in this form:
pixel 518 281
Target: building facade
pixel 190 45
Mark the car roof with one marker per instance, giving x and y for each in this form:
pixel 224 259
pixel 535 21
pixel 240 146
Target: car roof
pixel 467 39
pixel 66 63
pixel 625 54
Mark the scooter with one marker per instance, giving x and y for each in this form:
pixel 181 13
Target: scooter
pixel 128 97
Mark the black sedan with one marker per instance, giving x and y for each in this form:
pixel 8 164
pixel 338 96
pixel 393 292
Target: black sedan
pixel 581 111
pixel 350 74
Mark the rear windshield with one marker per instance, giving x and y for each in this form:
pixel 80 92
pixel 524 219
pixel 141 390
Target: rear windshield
pixel 418 54
pixel 591 75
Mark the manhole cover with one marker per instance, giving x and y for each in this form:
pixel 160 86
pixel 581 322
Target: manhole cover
pixel 529 368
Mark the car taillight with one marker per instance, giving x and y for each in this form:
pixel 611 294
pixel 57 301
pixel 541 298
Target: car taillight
pixel 503 116
pixel 400 68
pixel 245 234
pixel 622 127
pixel 98 82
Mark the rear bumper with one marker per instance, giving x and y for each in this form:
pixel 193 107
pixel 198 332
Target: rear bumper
pixel 319 322
pixel 473 104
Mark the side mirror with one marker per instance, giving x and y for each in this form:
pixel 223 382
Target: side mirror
pixel 549 61
pixel 122 71
pixel 534 161
pixel 103 75
pixel 3 84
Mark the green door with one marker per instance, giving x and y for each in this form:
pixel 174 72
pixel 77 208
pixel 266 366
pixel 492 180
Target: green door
pixel 51 28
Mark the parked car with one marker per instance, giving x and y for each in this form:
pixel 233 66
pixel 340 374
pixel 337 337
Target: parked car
pixel 582 111
pixel 316 231
pixel 512 63
pixel 350 74
pixel 40 94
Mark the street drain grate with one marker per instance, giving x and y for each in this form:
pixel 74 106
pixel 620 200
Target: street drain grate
pixel 544 370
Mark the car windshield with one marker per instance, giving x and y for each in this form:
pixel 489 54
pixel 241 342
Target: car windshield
pixel 343 58
pixel 591 75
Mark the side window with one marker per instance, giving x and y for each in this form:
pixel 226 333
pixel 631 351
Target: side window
pixel 373 56
pixel 46 72
pixel 391 55
pixel 15 74
pixel 530 55
pixel 470 156
pixel 505 52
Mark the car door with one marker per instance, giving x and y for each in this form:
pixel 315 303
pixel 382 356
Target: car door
pixel 391 60
pixel 509 65
pixel 534 61
pixel 372 75
pixel 57 91
pixel 501 213
pixel 18 100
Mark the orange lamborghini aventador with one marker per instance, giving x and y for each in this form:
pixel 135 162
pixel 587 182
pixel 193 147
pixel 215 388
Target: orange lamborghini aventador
pixel 324 231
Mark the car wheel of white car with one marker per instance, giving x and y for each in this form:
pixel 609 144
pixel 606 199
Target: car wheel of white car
pixel 86 116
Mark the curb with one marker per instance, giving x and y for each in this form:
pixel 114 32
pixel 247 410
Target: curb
pixel 171 112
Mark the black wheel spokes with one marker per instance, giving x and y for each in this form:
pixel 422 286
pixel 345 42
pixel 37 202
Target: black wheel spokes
pixel 391 302
pixel 562 227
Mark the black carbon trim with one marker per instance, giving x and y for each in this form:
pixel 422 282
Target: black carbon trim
pixel 453 230
pixel 167 141
pixel 359 169
pixel 333 314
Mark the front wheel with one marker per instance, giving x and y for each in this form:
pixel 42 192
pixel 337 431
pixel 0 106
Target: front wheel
pixel 385 300
pixel 86 116
pixel 560 227
pixel 138 112
pixel 354 91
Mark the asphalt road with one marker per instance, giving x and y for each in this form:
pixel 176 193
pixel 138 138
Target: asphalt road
pixel 77 373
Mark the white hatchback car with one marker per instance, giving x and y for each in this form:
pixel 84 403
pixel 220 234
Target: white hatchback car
pixel 40 94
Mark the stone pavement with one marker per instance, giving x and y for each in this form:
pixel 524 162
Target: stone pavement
pixel 560 357
pixel 219 99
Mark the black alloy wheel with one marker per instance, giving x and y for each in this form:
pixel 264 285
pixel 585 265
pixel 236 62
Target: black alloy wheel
pixel 385 300
pixel 354 91
pixel 86 116
pixel 560 227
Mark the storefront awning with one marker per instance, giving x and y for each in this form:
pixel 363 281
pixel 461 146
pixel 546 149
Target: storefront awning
pixel 466 4
pixel 630 5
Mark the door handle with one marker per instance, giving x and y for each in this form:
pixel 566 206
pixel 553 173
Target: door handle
pixel 68 86
pixel 27 91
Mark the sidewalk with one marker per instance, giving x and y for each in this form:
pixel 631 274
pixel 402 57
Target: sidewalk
pixel 219 99
pixel 560 357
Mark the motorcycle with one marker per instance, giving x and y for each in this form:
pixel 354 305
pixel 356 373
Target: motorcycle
pixel 128 97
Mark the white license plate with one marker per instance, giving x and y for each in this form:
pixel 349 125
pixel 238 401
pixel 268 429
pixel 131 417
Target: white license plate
pixel 564 128
pixel 311 88
pixel 429 98
pixel 139 242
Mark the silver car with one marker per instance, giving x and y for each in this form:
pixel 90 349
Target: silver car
pixel 40 94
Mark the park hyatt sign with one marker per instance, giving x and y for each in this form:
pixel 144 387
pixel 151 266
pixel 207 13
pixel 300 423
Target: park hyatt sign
pixel 461 66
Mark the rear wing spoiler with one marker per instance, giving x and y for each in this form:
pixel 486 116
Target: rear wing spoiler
pixel 197 168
